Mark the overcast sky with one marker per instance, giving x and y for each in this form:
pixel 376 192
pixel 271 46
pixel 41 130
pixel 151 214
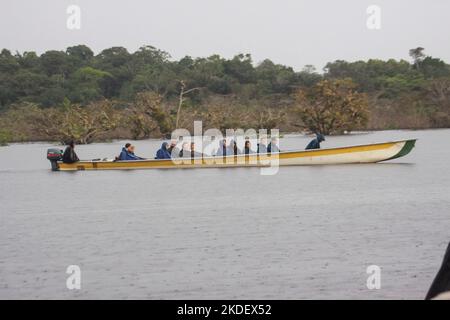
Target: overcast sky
pixel 291 32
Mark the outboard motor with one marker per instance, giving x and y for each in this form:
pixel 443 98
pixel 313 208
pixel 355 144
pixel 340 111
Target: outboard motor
pixel 54 155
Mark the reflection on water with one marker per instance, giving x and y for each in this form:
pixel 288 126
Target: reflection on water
pixel 306 232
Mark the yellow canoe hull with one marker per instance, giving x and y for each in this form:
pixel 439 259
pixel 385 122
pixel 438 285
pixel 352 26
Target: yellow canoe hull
pixel 370 153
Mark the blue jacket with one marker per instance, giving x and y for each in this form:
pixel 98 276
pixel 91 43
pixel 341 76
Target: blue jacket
pixel 163 153
pixel 125 155
pixel 315 143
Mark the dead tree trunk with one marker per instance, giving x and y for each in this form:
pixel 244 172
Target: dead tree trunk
pixel 183 92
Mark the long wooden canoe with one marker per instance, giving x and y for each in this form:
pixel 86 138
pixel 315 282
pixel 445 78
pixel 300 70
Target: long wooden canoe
pixel 370 153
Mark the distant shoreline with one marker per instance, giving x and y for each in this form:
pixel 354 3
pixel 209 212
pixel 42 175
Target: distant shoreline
pixel 282 135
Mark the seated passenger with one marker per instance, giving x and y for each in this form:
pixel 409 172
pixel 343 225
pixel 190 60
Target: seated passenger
pixel 273 145
pixel 194 154
pixel 128 153
pixel 69 155
pixel 315 143
pixel 262 146
pixel 185 151
pixel 247 147
pixel 173 150
pixel 233 149
pixel 223 149
pixel 163 153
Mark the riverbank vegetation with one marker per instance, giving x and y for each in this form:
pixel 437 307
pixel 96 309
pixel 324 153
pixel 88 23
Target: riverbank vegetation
pixel 74 94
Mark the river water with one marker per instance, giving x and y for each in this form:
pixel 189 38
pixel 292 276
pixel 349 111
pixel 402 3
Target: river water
pixel 306 232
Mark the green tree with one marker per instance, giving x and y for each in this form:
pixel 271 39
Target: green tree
pixel 417 55
pixel 29 60
pixel 79 56
pixel 8 67
pixel 55 63
pixel 85 84
pixel 308 76
pixel 274 78
pixel 240 68
pixel 114 61
pixel 80 53
pixel 434 68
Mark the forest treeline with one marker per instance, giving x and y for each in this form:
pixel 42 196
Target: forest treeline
pixel 118 94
